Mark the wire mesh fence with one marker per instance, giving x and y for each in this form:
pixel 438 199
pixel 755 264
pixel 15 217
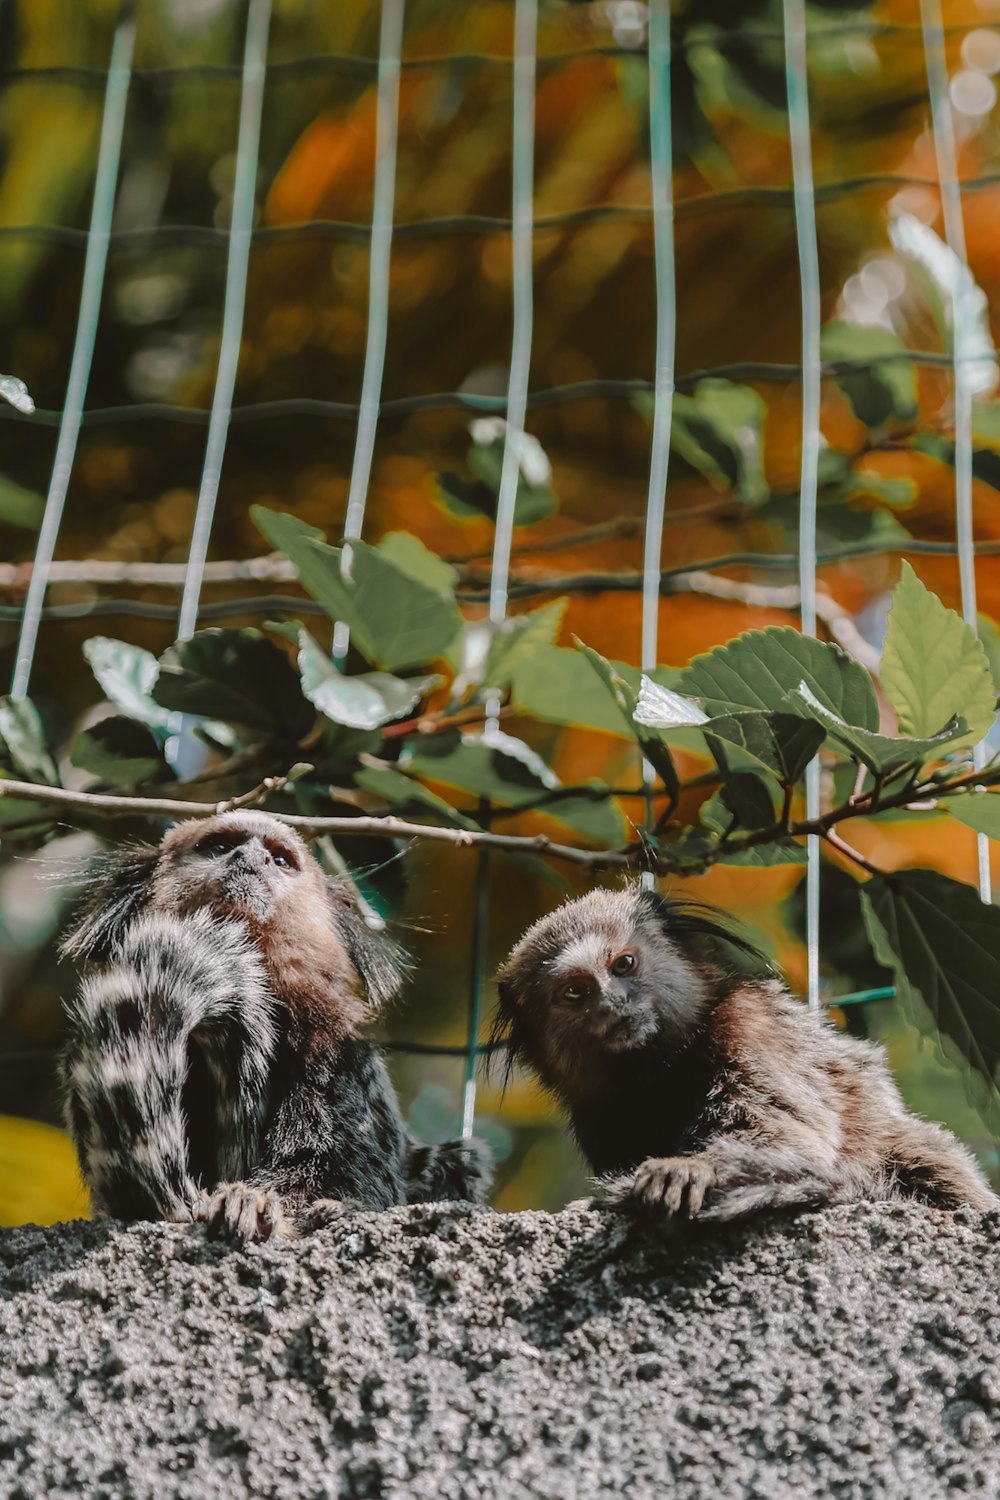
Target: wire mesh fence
pixel 177 412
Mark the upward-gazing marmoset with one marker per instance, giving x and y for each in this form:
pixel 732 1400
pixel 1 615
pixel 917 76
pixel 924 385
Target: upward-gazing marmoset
pixel 216 1067
pixel 695 1091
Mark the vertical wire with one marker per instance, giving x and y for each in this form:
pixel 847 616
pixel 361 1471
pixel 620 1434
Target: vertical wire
pixel 525 27
pixel 943 127
pixel 661 172
pixel 95 261
pixel 237 264
pixel 522 214
pixel 797 83
pixel 383 200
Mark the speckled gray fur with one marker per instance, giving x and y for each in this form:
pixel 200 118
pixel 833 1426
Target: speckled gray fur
pixel 447 1351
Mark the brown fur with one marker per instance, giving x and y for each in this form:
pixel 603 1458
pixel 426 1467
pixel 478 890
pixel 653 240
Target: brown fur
pixel 260 1071
pixel 308 966
pixel 692 1091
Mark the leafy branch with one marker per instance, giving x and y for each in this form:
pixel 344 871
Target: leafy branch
pixel 400 733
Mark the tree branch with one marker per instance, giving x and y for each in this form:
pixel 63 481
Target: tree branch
pixel 639 855
pixel 103 805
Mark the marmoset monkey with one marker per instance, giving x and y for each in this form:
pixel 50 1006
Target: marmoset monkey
pixel 695 1091
pixel 216 1067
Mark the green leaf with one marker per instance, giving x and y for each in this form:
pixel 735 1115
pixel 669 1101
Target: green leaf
pixel 556 683
pixel 933 666
pixel 293 537
pixel 363 701
pixel 237 676
pixel 33 820
pixel 781 851
pixel 978 810
pixel 652 745
pixel 395 619
pixel 22 742
pixel 127 675
pixel 535 499
pixel 120 752
pixel 885 390
pixel 839 522
pixel 757 669
pixel 409 553
pixel 784 743
pixel 19 506
pixel 718 430
pixel 691 852
pixel 943 945
pixel 534 502
pixel 408 797
pixel 898 493
pixel 743 797
pixel 882 753
pixel 986 421
pixel 510 774
pixel 518 638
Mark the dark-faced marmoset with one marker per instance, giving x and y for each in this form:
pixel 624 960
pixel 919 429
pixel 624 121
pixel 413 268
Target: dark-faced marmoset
pixel 216 1066
pixel 695 1091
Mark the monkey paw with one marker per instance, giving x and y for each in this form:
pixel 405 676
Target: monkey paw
pixel 676 1184
pixel 237 1212
pixel 324 1212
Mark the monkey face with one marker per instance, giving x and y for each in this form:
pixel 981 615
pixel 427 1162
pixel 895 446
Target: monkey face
pixel 596 987
pixel 599 975
pixel 241 864
pixel 251 866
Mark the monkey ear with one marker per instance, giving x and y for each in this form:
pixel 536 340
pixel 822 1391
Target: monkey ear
pixel 693 925
pixel 117 890
pixel 508 998
pixel 505 1037
pixel 381 964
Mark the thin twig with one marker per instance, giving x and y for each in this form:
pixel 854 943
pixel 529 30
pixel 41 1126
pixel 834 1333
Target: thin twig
pixel 428 724
pixel 785 596
pixel 835 841
pixel 253 797
pixel 273 568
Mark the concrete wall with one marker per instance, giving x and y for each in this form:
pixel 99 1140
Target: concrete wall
pixel 447 1352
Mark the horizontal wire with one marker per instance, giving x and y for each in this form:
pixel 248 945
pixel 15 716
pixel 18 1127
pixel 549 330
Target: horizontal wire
pixel 729 38
pixel 209 236
pixel 576 390
pixel 40 1056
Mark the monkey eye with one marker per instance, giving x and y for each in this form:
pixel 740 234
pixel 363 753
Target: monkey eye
pixel 219 843
pixel 576 990
pixel 283 859
pixel 625 963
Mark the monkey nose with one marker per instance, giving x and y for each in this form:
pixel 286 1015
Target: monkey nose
pixel 252 854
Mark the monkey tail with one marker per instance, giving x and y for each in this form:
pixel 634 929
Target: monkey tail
pixel 453 1171
pixel 171 985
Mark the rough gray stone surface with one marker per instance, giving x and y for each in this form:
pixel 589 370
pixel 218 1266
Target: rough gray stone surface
pixel 444 1351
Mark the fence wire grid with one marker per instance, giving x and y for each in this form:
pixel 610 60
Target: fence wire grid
pixel 120 81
